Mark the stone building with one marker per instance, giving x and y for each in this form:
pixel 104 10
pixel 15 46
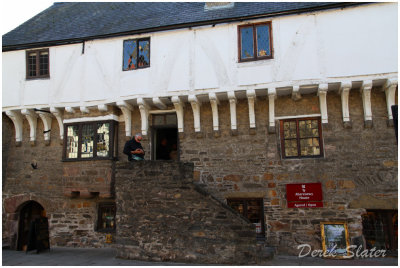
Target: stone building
pixel 238 104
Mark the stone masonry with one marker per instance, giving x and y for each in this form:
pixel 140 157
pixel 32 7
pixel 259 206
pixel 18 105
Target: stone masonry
pixel 161 217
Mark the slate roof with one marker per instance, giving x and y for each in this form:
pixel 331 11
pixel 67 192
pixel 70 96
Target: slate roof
pixel 74 22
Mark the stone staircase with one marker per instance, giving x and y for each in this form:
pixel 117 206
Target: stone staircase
pixel 163 216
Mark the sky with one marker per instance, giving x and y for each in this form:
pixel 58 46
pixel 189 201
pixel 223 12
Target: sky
pixel 16 12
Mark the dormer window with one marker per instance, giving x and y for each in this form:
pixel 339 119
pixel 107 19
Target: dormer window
pixel 37 64
pixel 136 54
pixel 255 42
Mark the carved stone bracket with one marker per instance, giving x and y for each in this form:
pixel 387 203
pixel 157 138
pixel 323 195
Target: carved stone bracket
pixel 251 98
pixel 126 109
pixel 271 106
pixel 31 116
pixel 322 92
pixel 196 104
pixel 296 93
pixel 17 120
pixel 46 119
pixel 178 104
pixel 344 92
pixel 144 114
pixel 232 107
pixel 366 99
pixel 390 91
pixel 214 108
pixel 58 113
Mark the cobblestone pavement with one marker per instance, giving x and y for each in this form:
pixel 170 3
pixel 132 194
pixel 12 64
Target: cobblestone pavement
pixel 106 257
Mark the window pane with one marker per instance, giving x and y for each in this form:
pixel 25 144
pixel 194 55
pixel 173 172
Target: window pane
pixel 103 139
pixel 291 148
pixel 107 217
pixel 72 142
pixel 263 48
pixel 130 55
pixel 237 205
pixel 32 64
pixel 144 53
pixel 289 129
pixel 309 146
pixel 247 43
pixel 44 63
pixel 87 141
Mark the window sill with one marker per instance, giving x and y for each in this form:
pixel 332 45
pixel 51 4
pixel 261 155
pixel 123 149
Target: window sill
pixel 90 159
pixel 38 78
pixel 261 62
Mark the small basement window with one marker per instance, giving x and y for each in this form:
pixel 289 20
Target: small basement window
pixel 106 217
pixel 252 209
pixel 37 64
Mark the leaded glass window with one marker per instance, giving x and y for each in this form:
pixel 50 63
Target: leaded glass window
pixel 90 140
pixel 255 42
pixel 301 137
pixel 136 54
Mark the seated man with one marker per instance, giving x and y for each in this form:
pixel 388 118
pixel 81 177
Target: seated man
pixel 133 148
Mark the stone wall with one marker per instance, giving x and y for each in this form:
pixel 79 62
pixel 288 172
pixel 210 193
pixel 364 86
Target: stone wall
pixel 161 217
pixel 72 221
pixel 358 170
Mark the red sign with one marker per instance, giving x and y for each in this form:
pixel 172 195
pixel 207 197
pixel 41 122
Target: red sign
pixel 304 195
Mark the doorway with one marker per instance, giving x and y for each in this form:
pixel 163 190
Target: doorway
pixel 165 142
pixel 30 211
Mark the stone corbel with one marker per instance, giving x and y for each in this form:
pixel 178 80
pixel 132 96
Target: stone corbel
pixel 178 104
pixel 296 93
pixel 31 116
pixel 366 99
pixel 84 109
pixel 322 92
pixel 196 104
pixel 102 107
pixel 214 108
pixel 17 120
pixel 126 109
pixel 344 92
pixel 251 98
pixel 271 105
pixel 46 119
pixel 70 110
pixel 159 103
pixel 144 115
pixel 232 108
pixel 58 113
pixel 390 91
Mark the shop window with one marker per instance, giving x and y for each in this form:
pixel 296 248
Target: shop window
pixel 37 64
pixel 136 54
pixel 106 217
pixel 90 140
pixel 252 209
pixel 380 229
pixel 255 42
pixel 301 137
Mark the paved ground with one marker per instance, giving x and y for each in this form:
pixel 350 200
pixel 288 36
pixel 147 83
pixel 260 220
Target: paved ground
pixel 105 257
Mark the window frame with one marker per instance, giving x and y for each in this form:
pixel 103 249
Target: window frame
pixel 282 139
pixel 101 206
pixel 113 141
pixel 37 52
pixel 137 40
pixel 245 201
pixel 255 58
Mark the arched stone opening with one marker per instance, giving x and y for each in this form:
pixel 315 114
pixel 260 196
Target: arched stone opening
pixel 27 213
